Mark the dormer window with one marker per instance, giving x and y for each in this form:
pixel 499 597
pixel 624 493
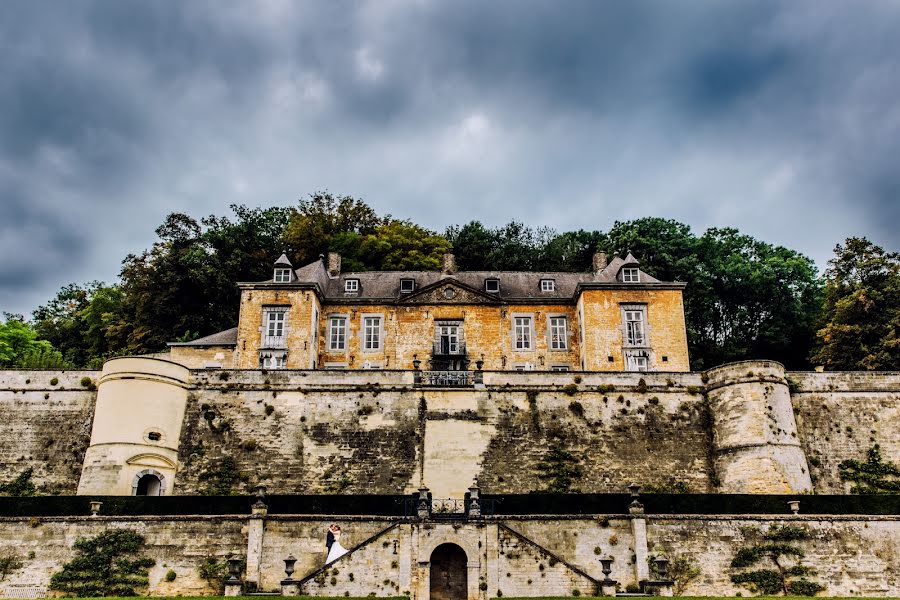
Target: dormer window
pixel 492 286
pixel 282 275
pixel 548 285
pixel 351 285
pixel 407 285
pixel 631 275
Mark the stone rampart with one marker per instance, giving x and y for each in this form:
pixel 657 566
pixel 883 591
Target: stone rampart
pixel 45 426
pixel 521 556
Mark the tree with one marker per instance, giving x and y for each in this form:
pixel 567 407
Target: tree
pixel 104 566
pixel 313 225
pixel 779 548
pixel 20 347
pixel 860 325
pixel 402 245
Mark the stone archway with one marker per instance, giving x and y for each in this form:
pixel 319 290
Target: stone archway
pixel 448 576
pixel 149 482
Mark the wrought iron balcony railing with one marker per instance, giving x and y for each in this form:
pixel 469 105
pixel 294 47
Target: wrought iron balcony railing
pixel 446 349
pixel 447 378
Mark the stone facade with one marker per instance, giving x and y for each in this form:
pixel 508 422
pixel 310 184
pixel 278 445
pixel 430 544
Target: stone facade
pixel 513 557
pixel 573 321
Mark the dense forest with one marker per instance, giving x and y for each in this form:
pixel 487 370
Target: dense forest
pixel 745 298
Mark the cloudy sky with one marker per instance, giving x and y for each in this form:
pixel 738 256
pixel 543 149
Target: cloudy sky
pixel 779 118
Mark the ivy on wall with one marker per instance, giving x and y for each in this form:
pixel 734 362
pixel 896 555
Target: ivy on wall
pixel 560 469
pixel 874 476
pixel 105 566
pixel 779 548
pixel 20 486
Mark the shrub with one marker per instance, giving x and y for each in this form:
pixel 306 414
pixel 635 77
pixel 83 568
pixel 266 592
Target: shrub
pixel 88 383
pixel 214 572
pixel 570 389
pixel 9 563
pixel 170 575
pixel 642 386
pixel 54 381
pixel 20 486
pixel 269 409
pixel 249 445
pixel 105 566
pixel 576 408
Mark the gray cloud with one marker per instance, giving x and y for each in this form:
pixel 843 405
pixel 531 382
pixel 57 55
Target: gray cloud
pixel 778 118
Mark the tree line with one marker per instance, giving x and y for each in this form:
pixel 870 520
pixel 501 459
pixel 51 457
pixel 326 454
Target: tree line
pixel 745 298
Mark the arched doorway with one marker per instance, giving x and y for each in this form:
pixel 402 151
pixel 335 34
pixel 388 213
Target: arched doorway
pixel 448 573
pixel 149 485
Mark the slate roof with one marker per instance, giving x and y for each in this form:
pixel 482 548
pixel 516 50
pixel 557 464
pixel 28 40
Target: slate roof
pixel 514 285
pixel 222 338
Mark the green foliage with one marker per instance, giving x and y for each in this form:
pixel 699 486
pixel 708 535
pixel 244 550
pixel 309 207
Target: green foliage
pixel 776 549
pixel 20 486
pixel 220 479
pixel 560 468
pixel 570 389
pixel 88 383
pixel 171 575
pixel 214 572
pixel 683 571
pixel 10 562
pixel 105 566
pixel 20 347
pixel 576 409
pixel 874 476
pixel 860 325
pixel 670 486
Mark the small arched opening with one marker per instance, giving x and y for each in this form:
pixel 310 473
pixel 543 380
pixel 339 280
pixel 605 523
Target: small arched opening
pixel 448 573
pixel 148 482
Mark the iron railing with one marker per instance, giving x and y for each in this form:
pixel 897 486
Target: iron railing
pixel 448 509
pixel 447 378
pixel 274 341
pixel 445 348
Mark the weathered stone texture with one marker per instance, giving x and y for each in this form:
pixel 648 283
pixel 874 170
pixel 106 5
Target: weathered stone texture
pixel 841 416
pixel 45 426
pixel 180 544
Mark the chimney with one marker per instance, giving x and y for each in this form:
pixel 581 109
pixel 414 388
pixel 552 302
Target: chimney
pixel 599 261
pixel 449 265
pixel 334 264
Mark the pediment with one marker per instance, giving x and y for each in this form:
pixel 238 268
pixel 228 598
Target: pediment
pixel 449 291
pixel 151 460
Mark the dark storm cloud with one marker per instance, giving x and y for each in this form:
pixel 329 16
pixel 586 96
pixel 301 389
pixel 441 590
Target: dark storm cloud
pixel 779 118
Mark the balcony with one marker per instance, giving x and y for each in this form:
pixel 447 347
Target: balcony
pixel 448 378
pixel 445 348
pixel 274 341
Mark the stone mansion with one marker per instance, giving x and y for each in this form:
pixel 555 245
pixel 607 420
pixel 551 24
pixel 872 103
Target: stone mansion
pixel 614 318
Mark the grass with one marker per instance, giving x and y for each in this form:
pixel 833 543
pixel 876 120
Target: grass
pixel 747 595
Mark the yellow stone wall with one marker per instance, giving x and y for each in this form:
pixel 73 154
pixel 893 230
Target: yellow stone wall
pixel 197 358
pixel 408 331
pixel 603 328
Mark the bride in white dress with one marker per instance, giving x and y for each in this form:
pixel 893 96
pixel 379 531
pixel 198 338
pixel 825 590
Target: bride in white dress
pixel 336 551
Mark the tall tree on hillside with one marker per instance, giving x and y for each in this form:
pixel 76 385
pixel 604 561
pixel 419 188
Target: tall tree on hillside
pixel 860 326
pixel 317 220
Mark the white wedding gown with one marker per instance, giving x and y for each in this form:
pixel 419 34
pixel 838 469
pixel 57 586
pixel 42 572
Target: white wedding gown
pixel 337 550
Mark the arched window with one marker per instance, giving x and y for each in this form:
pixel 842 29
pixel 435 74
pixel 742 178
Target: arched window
pixel 148 482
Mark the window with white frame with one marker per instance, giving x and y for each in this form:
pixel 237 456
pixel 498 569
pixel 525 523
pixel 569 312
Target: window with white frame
pixel 274 321
pixel 407 285
pixel 371 326
pixel 351 285
pixel 631 275
pixel 522 338
pixel 637 361
pixel 558 333
pixel 548 285
pixel 272 360
pixel 559 367
pixel 337 333
pixel 635 326
pixel 492 285
pixel 282 275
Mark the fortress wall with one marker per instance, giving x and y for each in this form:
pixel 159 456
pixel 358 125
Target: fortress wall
pixel 45 426
pixel 841 416
pixel 853 555
pixel 299 433
pixel 177 543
